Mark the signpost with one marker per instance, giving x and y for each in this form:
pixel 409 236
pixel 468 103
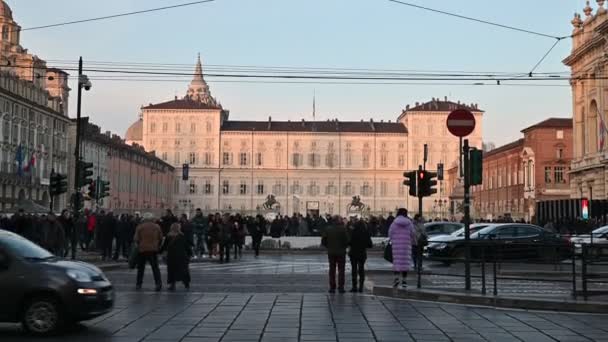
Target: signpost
pixel 461 122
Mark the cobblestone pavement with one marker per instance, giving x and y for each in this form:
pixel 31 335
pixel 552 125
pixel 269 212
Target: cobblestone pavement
pixel 283 298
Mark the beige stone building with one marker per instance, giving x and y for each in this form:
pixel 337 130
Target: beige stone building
pixel 589 65
pixel 306 166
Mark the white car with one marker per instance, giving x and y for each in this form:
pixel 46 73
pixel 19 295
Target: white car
pixel 597 237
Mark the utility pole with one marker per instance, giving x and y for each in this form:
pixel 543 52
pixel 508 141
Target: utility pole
pixel 420 196
pixel 467 215
pixel 76 204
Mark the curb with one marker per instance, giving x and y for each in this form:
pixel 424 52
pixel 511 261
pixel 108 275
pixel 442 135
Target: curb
pixel 498 301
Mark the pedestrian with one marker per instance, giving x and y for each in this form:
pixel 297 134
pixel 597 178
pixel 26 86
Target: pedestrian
pixel 360 241
pixel 166 221
pixel 420 240
pixel 105 233
pixel 121 235
pixel 225 238
pixel 215 225
pixel 68 228
pixel 91 228
pixel 179 251
pixel 200 225
pixel 402 234
pixel 257 231
pixel 335 239
pixel 54 236
pixel 238 238
pixel 148 237
pixel 187 230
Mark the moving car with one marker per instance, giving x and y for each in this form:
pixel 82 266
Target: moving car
pixel 46 293
pixel 441 228
pixel 516 241
pixel 598 236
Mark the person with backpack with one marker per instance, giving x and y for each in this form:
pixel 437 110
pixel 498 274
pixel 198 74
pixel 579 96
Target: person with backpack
pixel 360 241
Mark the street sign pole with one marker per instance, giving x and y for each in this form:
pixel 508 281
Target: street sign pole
pixel 467 216
pixel 418 190
pixel 77 155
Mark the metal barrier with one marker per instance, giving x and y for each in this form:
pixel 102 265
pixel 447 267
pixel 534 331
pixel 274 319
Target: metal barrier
pixel 497 253
pixel 593 255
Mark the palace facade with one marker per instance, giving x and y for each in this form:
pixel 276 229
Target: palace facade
pixel 293 166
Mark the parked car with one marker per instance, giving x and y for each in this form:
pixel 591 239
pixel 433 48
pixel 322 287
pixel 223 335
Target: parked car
pixel 46 293
pixel 514 241
pixel 598 236
pixel 441 228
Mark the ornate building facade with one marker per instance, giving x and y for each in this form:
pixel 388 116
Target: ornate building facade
pixel 33 109
pixel 333 166
pixel 589 65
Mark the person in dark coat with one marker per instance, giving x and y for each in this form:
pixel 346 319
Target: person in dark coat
pixel 166 221
pixel 107 225
pixel 335 239
pixel 121 234
pixel 68 228
pixel 276 227
pixel 187 229
pixel 257 230
pixel 179 251
pixel 360 241
pixel 54 236
pixel 238 238
pixel 225 238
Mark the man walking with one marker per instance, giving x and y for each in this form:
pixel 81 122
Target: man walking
pixel 148 237
pixel 225 238
pixel 335 239
pixel 360 241
pixel 201 227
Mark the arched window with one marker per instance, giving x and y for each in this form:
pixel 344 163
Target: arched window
pixel 592 128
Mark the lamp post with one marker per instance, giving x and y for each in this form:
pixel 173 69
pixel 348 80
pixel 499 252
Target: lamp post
pixel 83 82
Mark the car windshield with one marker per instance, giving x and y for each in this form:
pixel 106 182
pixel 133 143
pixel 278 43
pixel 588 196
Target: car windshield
pixel 600 231
pixel 482 232
pixel 23 248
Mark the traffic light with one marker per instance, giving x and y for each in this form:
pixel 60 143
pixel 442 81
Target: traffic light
pixel 476 167
pixel 104 189
pixel 585 209
pixel 427 181
pixel 58 185
pixel 92 191
pixel 85 172
pixel 410 181
pixel 185 171
pixel 440 171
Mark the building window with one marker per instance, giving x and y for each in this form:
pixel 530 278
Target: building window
pixel 193 128
pixel 165 127
pixel 177 158
pixel 330 160
pixel 277 188
pixel 227 158
pixel 314 160
pixel 225 187
pixel 178 143
pixel 401 146
pixel 208 159
pixel 208 187
pixel 383 188
pixel 192 158
pixel 401 188
pixel 192 187
pixel 243 159
pixel 560 153
pixel 366 189
pixel 153 127
pixel 560 134
pixel 330 189
pixel 383 159
pixel 401 160
pixel 348 159
pixel 258 159
pixel 313 189
pixel 260 188
pixel 365 160
pixel 559 175
pixel 295 188
pixel 296 160
pixel 348 188
pixel 209 127
pixel 163 156
pixel 243 188
pixel 547 174
pixel 178 127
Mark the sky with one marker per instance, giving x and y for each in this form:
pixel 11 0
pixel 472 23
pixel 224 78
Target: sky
pixel 370 34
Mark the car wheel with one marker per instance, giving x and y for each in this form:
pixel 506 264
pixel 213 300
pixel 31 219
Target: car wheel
pixel 42 316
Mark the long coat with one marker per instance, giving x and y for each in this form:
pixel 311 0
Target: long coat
pixel 178 258
pixel 402 234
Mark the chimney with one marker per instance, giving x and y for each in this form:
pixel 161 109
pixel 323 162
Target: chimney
pixel 417 103
pixel 303 123
pixel 407 107
pixel 269 122
pixel 382 120
pixel 446 99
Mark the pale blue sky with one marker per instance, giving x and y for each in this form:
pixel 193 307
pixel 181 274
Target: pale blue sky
pixel 313 33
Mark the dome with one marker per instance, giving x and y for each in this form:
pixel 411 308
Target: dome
pixel 135 131
pixel 5 11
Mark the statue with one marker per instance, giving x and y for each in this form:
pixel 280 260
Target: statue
pixel 356 204
pixel 271 202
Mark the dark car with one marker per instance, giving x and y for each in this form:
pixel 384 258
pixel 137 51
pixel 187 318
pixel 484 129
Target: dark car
pixel 512 241
pixel 441 228
pixel 46 293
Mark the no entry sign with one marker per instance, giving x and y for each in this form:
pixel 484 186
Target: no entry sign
pixel 461 122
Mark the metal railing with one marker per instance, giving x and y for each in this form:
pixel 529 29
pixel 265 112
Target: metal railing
pixel 593 258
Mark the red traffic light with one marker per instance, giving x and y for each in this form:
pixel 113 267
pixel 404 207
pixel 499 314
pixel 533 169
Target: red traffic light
pixel 422 174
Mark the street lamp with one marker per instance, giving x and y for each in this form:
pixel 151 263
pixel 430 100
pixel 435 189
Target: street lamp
pixel 83 82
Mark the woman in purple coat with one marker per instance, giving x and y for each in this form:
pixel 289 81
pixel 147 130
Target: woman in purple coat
pixel 402 234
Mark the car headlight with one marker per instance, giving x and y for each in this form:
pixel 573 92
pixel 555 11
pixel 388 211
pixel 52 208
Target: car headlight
pixel 438 245
pixel 79 276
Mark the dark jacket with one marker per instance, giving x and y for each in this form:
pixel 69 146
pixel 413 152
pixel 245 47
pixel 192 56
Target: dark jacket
pixel 360 241
pixel 178 256
pixel 335 239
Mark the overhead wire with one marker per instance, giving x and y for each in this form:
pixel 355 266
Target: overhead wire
pixel 116 15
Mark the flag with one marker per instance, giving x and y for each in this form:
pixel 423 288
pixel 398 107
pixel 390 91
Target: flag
pixel 19 159
pixel 602 133
pixel 31 163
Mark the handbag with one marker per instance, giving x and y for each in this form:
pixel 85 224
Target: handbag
pixel 133 256
pixel 388 252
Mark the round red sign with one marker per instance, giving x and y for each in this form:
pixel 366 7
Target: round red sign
pixel 461 122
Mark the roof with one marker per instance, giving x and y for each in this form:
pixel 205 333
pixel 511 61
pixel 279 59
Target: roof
pixel 436 105
pixel 551 123
pixel 135 132
pixel 5 10
pixel 181 104
pixel 515 144
pixel 315 126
